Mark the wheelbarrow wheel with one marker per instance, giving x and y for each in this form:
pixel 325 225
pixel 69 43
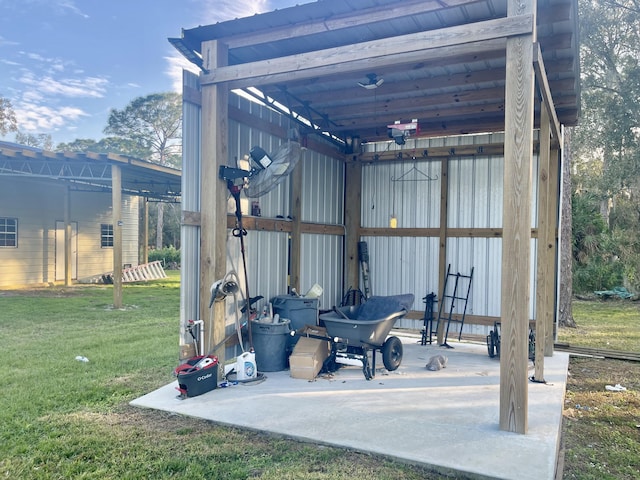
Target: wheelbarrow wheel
pixel 392 353
pixel 491 344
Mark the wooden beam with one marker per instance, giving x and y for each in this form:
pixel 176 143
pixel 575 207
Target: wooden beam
pixel 434 153
pixel 213 197
pixel 518 152
pixel 362 56
pixel 262 124
pixel 116 205
pixel 545 91
pixel 544 306
pixel 320 99
pixel 145 230
pixel 352 223
pixel 443 234
pixel 443 105
pixel 67 237
pixel 295 257
pixel 552 245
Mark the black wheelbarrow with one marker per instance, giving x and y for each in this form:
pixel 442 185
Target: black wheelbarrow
pixel 356 330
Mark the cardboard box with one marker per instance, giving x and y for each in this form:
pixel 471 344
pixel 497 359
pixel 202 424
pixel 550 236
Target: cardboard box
pixel 309 354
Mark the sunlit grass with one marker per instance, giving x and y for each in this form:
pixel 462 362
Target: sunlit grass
pixel 611 324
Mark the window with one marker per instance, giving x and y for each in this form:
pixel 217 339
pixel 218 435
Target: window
pixel 8 232
pixel 106 235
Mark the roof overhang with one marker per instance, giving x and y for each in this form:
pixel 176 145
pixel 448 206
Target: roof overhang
pixel 92 171
pixel 443 62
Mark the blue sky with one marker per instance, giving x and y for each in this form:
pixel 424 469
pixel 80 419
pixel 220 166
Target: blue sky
pixel 65 63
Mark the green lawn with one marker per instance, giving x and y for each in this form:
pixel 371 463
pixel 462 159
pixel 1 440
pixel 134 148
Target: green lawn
pixel 610 324
pixel 61 418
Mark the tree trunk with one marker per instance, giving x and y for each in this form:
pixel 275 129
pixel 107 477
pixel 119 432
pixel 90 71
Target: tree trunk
pixel 159 226
pixel 565 312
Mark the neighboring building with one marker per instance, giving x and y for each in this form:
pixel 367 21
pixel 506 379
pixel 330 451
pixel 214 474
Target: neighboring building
pixel 37 187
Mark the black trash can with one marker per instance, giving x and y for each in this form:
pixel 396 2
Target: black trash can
pixel 300 311
pixel 270 345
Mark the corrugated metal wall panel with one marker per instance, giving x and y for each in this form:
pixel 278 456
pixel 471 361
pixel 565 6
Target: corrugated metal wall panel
pixel 322 189
pixel 404 265
pixel 190 234
pixel 485 256
pixel 411 191
pixel 322 261
pixel 475 201
pixel 475 192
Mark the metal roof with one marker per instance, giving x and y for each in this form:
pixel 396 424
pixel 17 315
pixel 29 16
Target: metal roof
pixel 91 171
pixel 448 93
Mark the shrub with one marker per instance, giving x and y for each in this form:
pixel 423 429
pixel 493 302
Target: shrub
pixel 169 256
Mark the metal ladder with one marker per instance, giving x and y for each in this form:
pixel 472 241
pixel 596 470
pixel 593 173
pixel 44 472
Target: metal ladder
pixel 443 313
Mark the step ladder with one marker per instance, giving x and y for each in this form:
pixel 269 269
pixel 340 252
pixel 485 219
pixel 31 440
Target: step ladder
pixel 139 273
pixel 459 293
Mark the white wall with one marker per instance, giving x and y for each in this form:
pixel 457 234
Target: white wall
pixel 37 205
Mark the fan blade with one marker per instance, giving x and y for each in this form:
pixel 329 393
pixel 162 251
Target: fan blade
pixel 284 161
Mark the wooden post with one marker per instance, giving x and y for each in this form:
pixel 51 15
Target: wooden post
pixel 352 220
pixel 145 231
pixel 213 196
pixel 544 304
pixel 67 237
pixel 116 200
pixel 552 247
pixel 296 234
pixel 518 152
pixel 442 257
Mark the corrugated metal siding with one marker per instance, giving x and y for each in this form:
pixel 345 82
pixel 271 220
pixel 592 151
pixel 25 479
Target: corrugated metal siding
pixel 475 184
pixel 322 189
pixel 190 234
pixel 475 192
pixel 409 190
pixel 322 263
pixel 403 265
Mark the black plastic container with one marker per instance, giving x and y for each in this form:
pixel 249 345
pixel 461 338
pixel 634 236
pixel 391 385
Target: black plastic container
pixel 270 342
pixel 194 381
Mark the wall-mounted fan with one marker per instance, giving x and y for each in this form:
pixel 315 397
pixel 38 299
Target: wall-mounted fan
pixel 282 164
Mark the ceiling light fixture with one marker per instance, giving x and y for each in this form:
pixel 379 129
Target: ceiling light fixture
pixel 374 82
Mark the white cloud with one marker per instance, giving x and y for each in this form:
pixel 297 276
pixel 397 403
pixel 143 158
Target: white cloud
pixel 7 43
pixel 219 11
pixel 34 118
pixel 86 87
pixel 71 6
pixel 212 11
pixel 175 64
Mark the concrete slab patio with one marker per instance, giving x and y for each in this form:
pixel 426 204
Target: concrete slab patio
pixel 448 419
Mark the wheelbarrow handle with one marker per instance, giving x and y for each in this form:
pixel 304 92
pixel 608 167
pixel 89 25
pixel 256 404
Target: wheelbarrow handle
pixel 341 313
